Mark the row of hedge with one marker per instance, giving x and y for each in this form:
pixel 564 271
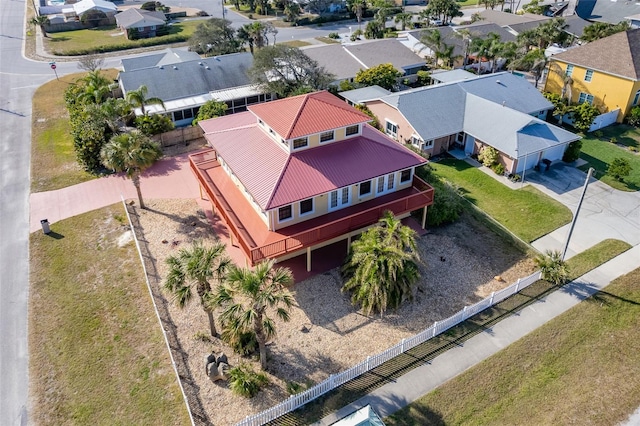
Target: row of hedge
pixel 131 44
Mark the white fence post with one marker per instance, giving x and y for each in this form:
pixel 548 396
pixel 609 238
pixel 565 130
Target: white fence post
pixel 464 312
pixel 491 299
pixel 368 363
pixel 517 285
pixel 402 346
pixel 435 325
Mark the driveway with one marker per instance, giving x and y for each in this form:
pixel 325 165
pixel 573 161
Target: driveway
pixel 605 212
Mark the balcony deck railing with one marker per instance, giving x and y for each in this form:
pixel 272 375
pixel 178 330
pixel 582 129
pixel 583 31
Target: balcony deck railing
pixel 421 195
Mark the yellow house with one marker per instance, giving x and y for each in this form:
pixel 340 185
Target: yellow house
pixel 605 73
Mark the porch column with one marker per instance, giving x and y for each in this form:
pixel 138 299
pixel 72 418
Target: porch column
pixel 308 259
pixel 200 188
pixel 424 217
pixel 348 243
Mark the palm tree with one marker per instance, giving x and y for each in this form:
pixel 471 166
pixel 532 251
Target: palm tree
pixel 41 21
pixel 96 88
pixel 246 296
pixel 358 8
pixel 138 98
pixel 554 269
pixel 131 153
pixel 196 267
pixel 381 268
pixel 466 37
pixel 403 19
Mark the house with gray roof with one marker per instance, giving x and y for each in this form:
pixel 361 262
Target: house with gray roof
pixel 452 36
pixel 607 11
pixel 498 110
pixel 345 60
pixel 185 85
pixel 139 23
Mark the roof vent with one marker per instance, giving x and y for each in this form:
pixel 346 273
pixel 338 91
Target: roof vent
pixel 504 103
pixel 207 67
pixel 161 67
pixel 175 68
pixel 498 81
pixel 199 63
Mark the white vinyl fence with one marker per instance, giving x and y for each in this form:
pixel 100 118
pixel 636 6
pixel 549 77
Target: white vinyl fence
pixel 335 380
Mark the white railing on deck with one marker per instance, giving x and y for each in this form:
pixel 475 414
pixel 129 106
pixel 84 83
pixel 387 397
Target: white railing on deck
pixel 335 380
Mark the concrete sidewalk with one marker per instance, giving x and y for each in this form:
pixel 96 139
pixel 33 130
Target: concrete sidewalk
pixel 168 178
pixel 418 382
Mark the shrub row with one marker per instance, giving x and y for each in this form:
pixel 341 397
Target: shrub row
pixel 146 42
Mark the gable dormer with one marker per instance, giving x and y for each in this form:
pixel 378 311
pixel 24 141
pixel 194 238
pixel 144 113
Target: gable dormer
pixel 309 120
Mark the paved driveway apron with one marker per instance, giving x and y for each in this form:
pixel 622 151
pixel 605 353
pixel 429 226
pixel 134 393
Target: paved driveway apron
pixel 605 212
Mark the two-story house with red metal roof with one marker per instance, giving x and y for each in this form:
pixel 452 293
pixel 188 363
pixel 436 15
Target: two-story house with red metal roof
pixel 300 173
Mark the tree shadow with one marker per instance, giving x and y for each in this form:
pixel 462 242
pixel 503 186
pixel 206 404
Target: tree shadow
pixel 190 227
pixel 165 166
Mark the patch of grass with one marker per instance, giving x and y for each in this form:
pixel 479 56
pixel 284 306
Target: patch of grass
pixel 602 252
pixel 599 154
pixel 295 43
pixel 108 39
pixel 97 354
pixel 328 40
pixel 53 159
pixel 574 369
pixel 526 212
pixel 624 134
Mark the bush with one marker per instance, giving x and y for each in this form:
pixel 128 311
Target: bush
pixel 374 120
pixel 210 109
pixel 598 134
pixel 241 343
pixel 633 118
pixel 154 124
pixel 498 169
pixel 424 78
pixel 572 153
pixel 94 18
pixel 334 36
pixel 488 156
pixel 447 202
pixel 619 168
pixel 613 140
pixel 355 36
pixel 246 382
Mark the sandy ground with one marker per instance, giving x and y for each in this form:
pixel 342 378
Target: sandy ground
pixel 326 334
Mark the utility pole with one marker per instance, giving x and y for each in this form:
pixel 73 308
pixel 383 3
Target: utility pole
pixel 575 215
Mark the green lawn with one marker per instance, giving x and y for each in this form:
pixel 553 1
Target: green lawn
pixel 600 152
pixel 579 368
pixel 526 212
pixel 53 159
pixel 97 354
pixel 107 39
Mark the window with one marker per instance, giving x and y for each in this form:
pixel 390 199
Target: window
pixel 306 206
pixel 460 137
pixel 588 75
pixel 569 70
pixel 152 27
pixel 428 144
pixel 339 198
pixel 353 130
pixel 285 213
pixel 405 176
pixel 326 136
pixel 392 129
pixel 416 141
pixel 188 113
pixel 365 188
pixel 391 181
pixel 585 97
pixel 636 98
pixel 300 143
pixel 177 116
pixel 380 184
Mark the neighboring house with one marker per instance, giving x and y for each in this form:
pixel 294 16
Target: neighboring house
pixel 66 16
pixel 345 60
pixel 605 73
pixel 165 57
pixel 185 85
pixel 80 8
pixel 451 36
pixel 140 23
pixel 303 172
pixel 608 11
pixel 363 95
pixel 517 24
pixel 499 110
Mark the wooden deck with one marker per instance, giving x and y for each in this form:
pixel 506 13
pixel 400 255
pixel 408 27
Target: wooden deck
pixel 250 231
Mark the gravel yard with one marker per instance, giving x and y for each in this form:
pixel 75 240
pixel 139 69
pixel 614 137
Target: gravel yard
pixel 326 334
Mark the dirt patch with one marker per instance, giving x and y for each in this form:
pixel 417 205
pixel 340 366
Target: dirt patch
pixel 326 334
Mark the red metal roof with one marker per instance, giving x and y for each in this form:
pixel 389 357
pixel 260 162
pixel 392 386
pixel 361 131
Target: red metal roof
pixel 274 178
pixel 307 114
